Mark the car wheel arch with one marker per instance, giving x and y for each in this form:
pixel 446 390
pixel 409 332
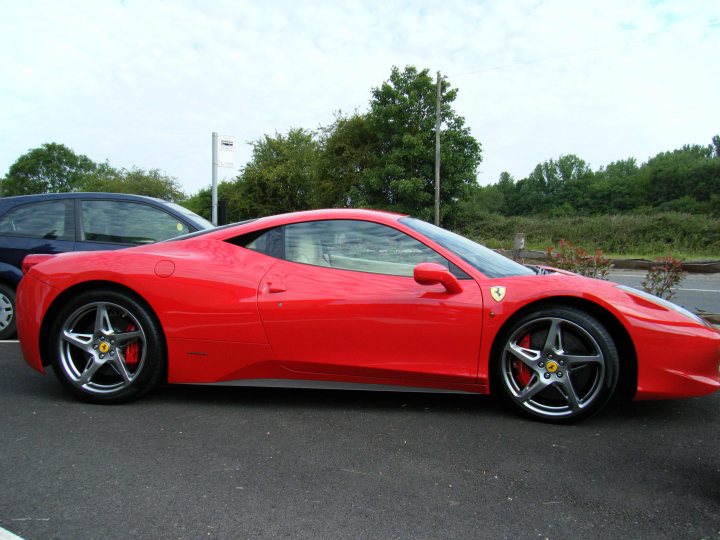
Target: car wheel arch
pixel 628 369
pixel 57 304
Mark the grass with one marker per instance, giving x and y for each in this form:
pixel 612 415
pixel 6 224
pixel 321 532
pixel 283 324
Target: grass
pixel 650 256
pixel 684 236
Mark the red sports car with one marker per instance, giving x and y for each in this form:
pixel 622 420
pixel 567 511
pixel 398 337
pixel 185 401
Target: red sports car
pixel 354 299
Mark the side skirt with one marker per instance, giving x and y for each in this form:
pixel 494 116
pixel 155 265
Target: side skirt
pixel 332 385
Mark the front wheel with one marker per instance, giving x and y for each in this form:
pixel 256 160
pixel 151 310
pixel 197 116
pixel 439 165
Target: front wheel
pixel 107 347
pixel 558 364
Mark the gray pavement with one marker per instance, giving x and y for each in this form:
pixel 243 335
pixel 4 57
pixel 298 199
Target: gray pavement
pixel 204 462
pixel 696 291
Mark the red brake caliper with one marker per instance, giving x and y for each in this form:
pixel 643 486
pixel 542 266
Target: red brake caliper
pixel 132 351
pixel 524 373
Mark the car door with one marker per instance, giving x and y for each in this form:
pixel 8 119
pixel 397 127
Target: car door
pixel 36 227
pixel 114 224
pixel 342 301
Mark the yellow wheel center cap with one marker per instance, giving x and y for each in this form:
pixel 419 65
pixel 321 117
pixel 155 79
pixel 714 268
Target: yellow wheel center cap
pixel 104 347
pixel 551 366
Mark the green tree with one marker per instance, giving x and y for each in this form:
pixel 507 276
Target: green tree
pixel 386 157
pixel 552 188
pixel 383 158
pixel 689 171
pixel 349 156
pixel 529 195
pixel 201 202
pixel 52 168
pixel 481 202
pixel 576 181
pixel 684 180
pixel 151 183
pixel 616 188
pixel 715 147
pixel 280 177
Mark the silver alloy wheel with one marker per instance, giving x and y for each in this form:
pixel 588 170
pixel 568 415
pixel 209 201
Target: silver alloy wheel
pixel 553 367
pixel 101 348
pixel 6 311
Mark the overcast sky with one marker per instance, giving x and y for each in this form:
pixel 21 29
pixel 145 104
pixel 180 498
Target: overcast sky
pixel 145 83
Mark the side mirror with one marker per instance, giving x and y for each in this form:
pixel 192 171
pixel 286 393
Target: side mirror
pixel 433 273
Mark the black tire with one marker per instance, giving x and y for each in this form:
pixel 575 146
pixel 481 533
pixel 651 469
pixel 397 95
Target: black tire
pixel 107 347
pixel 557 364
pixel 8 325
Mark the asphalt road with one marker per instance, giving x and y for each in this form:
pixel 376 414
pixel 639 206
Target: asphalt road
pixel 202 462
pixel 696 291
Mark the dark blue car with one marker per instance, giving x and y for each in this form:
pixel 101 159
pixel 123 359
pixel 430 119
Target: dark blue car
pixel 59 222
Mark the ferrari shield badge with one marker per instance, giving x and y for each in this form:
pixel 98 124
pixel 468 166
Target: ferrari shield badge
pixel 498 293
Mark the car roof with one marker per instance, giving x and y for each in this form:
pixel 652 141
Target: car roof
pixel 333 213
pixel 379 216
pixel 230 230
pixel 22 199
pixel 9 202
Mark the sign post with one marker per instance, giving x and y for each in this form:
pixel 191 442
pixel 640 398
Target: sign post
pixel 223 155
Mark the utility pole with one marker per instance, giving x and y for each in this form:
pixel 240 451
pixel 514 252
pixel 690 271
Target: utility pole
pixel 437 153
pixel 214 178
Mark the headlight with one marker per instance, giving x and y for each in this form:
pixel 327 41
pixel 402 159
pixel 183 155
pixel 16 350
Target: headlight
pixel 666 304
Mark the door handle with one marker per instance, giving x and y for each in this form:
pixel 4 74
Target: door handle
pixel 276 288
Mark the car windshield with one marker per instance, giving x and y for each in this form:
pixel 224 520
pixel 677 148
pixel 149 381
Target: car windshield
pixel 202 232
pixel 198 219
pixel 490 263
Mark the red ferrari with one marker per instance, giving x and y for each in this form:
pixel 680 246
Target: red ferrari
pixel 354 299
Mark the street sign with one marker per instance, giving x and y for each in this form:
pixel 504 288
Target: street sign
pixel 226 146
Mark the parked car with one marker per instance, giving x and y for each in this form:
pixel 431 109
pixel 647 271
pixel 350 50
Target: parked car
pixel 354 299
pixel 60 222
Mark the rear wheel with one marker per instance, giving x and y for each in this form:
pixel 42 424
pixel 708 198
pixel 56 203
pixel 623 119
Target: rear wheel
pixel 557 364
pixel 7 312
pixel 107 347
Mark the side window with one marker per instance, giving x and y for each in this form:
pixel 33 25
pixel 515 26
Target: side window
pixel 121 222
pixel 269 242
pixel 345 244
pixel 50 220
pixel 357 245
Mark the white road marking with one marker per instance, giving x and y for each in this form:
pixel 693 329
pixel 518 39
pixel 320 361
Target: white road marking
pixel 679 289
pixel 9 341
pixel 7 535
pixel 698 290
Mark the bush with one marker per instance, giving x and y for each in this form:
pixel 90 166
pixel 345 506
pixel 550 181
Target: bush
pixel 664 277
pixel 576 259
pixel 627 234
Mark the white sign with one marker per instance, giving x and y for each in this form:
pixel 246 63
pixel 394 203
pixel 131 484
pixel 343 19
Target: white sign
pixel 225 151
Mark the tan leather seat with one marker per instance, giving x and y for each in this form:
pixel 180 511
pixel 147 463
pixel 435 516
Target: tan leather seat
pixel 308 250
